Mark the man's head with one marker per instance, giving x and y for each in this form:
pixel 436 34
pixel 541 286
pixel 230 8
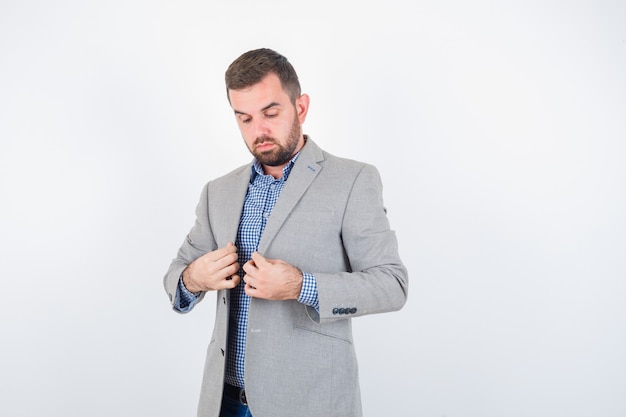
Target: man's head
pixel 264 92
pixel 251 67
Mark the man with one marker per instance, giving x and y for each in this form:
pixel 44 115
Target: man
pixel 294 245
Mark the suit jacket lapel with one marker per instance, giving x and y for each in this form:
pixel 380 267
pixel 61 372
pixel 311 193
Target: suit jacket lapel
pixel 232 198
pixel 302 175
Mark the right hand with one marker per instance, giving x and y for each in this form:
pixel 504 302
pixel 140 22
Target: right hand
pixel 216 270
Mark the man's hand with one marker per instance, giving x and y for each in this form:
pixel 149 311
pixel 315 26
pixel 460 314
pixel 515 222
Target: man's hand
pixel 272 279
pixel 214 270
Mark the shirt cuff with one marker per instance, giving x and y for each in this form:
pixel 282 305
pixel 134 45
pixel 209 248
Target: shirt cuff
pixel 185 299
pixel 308 294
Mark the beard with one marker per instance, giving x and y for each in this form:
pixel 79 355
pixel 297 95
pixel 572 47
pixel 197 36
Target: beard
pixel 280 154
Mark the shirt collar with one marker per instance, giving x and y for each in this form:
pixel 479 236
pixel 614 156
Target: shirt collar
pixel 257 169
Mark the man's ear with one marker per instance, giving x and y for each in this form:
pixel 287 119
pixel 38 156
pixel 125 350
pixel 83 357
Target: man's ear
pixel 302 107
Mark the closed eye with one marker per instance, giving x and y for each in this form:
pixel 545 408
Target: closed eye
pixel 244 118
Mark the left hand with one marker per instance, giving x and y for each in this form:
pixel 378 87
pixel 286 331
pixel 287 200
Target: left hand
pixel 272 279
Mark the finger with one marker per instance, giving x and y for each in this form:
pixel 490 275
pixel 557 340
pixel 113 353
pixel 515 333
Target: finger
pixel 229 270
pixel 220 253
pixel 226 261
pixel 259 259
pixel 248 284
pixel 226 250
pixel 250 290
pixel 231 281
pixel 250 267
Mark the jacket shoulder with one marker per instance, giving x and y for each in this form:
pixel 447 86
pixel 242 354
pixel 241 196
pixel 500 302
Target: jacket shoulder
pixel 228 179
pixel 347 167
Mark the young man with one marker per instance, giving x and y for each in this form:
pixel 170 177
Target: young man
pixel 294 245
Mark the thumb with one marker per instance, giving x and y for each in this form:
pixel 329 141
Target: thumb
pixel 259 259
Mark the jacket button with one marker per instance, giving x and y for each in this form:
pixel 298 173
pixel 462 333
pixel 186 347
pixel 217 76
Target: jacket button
pixel 353 310
pixel 335 310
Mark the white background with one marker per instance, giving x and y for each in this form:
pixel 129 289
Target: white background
pixel 499 129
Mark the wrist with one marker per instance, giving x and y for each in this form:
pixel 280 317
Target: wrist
pixel 187 282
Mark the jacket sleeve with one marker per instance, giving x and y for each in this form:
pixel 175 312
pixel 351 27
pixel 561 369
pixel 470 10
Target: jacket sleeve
pixel 377 281
pixel 199 241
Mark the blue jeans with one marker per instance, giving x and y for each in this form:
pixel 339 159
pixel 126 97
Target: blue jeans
pixel 232 408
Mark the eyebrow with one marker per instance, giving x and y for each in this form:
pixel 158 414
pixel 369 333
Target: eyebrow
pixel 272 104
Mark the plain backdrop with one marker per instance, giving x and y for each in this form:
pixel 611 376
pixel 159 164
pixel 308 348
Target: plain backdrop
pixel 499 129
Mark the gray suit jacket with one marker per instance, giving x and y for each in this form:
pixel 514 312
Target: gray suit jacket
pixel 330 221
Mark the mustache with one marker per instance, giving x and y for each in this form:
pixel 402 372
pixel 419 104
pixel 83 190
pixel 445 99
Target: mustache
pixel 263 139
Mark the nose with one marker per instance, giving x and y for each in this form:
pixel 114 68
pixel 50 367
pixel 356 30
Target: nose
pixel 260 128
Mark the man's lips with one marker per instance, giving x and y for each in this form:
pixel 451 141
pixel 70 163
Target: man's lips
pixel 264 146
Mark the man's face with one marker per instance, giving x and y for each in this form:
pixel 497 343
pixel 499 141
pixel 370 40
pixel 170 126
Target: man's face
pixel 269 123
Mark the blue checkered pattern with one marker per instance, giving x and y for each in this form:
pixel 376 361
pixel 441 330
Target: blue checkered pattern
pixel 185 299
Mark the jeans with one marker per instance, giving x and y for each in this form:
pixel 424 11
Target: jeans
pixel 232 408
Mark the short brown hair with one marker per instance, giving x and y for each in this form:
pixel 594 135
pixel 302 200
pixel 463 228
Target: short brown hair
pixel 251 67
